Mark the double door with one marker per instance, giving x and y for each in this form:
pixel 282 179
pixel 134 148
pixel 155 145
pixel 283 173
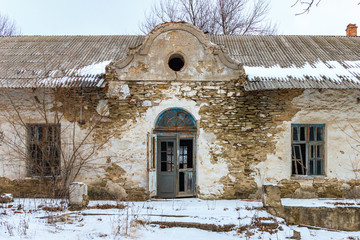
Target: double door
pixel 175 166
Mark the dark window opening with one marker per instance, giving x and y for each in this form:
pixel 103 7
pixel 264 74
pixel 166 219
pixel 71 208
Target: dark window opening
pixel 181 182
pixel 185 163
pixel 44 149
pixel 307 151
pixel 176 62
pixel 186 154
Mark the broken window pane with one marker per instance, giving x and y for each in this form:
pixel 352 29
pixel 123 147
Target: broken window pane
pixel 307 154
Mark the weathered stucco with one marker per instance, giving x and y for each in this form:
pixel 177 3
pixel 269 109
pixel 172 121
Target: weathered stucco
pixel 339 111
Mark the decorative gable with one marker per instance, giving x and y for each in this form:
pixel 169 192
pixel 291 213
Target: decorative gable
pixel 176 51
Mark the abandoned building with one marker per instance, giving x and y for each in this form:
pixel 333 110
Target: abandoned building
pixel 179 113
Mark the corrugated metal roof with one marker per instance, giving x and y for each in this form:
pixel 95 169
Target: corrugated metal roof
pixel 56 61
pixel 288 62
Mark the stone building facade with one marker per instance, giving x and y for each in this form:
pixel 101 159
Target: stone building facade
pixel 177 113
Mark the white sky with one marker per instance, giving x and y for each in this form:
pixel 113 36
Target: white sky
pixel 112 17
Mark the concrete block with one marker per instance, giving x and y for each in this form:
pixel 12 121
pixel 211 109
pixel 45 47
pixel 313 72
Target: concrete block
pixel 78 197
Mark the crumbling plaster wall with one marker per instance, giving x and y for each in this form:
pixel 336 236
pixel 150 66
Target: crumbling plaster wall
pixel 339 110
pixel 20 107
pixel 235 130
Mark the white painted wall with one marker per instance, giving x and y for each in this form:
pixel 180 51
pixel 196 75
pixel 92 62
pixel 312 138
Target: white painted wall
pixel 339 111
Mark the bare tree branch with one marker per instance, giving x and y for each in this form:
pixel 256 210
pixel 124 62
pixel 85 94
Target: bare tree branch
pixel 308 4
pixel 65 146
pixel 213 17
pixel 8 27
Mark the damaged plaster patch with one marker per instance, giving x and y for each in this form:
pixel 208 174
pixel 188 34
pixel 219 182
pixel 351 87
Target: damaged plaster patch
pixel 140 68
pixel 209 174
pixel 278 164
pixel 118 90
pixel 125 91
pixel 102 108
pixel 146 103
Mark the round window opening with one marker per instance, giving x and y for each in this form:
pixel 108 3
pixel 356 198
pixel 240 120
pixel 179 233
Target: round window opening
pixel 176 62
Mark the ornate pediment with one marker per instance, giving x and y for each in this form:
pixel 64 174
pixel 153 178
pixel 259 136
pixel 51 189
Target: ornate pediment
pixel 176 51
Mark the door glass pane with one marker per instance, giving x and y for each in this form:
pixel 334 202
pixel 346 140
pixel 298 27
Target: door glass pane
pixel 183 157
pixel 186 154
pixel 163 146
pixel 163 161
pixel 170 156
pixel 167 156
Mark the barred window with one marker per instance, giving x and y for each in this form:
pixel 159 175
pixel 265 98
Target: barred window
pixel 307 149
pixel 43 149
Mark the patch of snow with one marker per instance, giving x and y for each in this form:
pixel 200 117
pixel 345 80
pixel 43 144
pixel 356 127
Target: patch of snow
pixel 26 219
pixel 320 202
pixel 93 69
pixel 319 70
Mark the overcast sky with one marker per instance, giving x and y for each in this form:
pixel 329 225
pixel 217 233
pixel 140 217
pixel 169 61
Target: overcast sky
pixel 112 17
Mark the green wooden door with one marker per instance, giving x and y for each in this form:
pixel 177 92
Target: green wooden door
pixel 166 167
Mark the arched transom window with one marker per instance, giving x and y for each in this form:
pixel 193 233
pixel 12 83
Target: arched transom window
pixel 175 120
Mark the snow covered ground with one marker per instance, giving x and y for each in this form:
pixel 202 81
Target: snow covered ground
pixel 188 219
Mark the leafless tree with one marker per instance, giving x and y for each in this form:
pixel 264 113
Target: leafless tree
pixel 213 17
pixel 7 26
pixel 64 144
pixel 308 4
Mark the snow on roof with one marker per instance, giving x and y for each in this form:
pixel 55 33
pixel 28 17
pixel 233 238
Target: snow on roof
pixel 329 70
pixel 95 68
pixel 271 62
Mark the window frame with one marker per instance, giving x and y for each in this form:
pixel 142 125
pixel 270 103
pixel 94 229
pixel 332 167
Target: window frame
pixel 50 144
pixel 314 149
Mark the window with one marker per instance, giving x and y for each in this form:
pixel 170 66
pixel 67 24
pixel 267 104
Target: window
pixel 307 149
pixel 175 120
pixel 43 149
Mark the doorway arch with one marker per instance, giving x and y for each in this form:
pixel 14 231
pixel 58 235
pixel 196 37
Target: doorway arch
pixel 176 135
